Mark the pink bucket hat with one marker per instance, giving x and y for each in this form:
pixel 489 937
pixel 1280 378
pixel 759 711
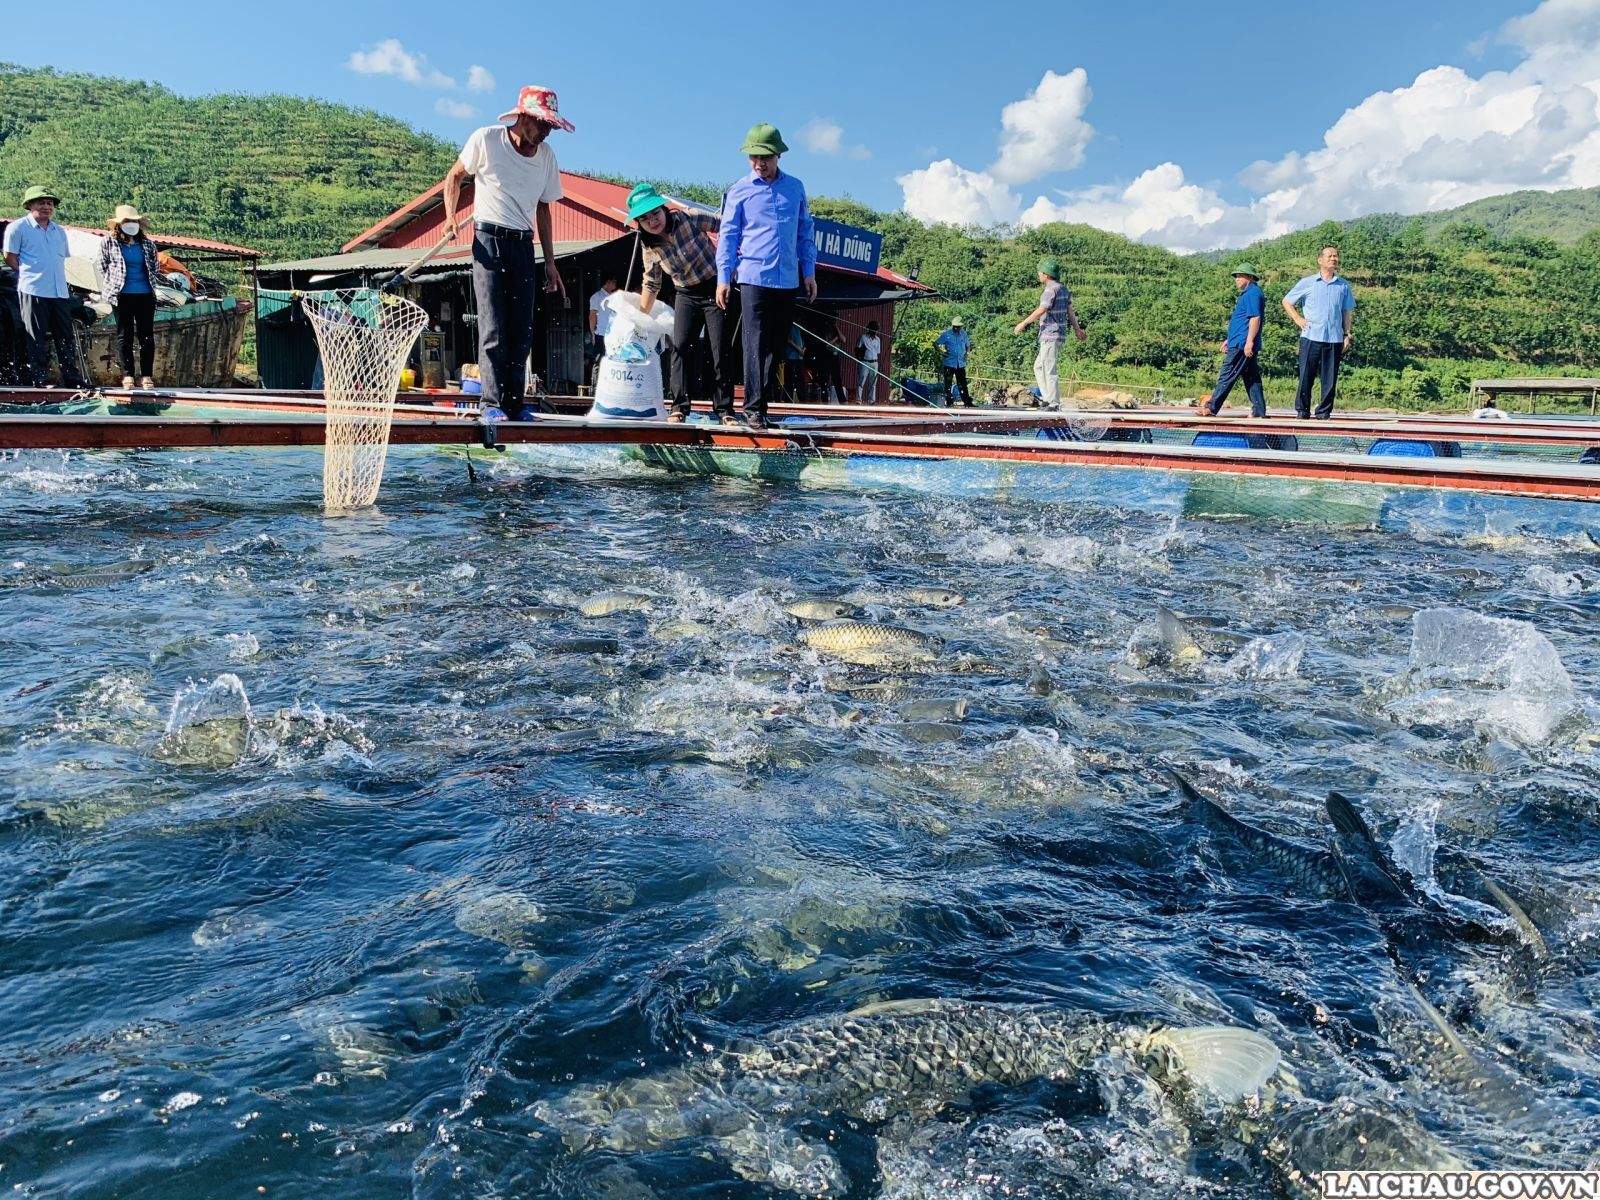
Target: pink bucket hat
pixel 538 102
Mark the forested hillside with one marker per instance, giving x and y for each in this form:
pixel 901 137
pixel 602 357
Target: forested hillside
pixel 1434 311
pixel 1508 285
pixel 283 174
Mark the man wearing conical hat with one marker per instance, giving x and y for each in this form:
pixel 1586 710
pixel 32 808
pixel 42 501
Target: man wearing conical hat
pixel 767 247
pixel 1243 346
pixel 515 180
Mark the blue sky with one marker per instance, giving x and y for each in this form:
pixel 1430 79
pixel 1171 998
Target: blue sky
pixel 902 105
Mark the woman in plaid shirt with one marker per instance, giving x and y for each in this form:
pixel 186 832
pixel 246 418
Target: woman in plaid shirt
pixel 678 245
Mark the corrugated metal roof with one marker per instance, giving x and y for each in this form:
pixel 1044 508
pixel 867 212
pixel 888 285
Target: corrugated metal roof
pixel 382 258
pixel 189 243
pixel 606 202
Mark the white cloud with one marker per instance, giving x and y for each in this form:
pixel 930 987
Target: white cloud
pixel 479 79
pixel 1045 130
pixel 1444 139
pixel 823 136
pixel 454 108
pixel 945 192
pixel 390 57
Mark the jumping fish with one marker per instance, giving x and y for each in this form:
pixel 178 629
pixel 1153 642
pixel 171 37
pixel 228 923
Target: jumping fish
pixel 90 577
pixel 1316 871
pixel 606 603
pixel 870 643
pixel 818 610
pixel 953 708
pixel 1166 641
pixel 908 1059
pixel 932 597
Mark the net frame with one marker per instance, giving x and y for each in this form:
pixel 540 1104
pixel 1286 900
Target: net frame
pixel 365 336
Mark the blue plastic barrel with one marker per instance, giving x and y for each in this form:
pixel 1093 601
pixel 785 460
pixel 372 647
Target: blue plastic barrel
pixel 1218 439
pixel 1410 448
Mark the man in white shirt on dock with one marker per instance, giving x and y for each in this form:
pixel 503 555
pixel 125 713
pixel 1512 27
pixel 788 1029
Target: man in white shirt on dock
pixel 515 180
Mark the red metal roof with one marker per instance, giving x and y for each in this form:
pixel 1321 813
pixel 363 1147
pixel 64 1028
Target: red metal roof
pixel 590 209
pixel 190 243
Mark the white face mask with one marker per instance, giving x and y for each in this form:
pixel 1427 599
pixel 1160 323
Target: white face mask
pixel 130 227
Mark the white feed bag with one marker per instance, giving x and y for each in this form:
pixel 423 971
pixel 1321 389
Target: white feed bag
pixel 628 384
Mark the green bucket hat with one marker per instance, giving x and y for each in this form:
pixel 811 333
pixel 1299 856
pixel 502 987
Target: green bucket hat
pixel 1050 267
pixel 1246 269
pixel 764 139
pixel 644 199
pixel 38 192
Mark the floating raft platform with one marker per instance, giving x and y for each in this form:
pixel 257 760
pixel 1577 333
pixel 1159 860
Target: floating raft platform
pixel 1520 475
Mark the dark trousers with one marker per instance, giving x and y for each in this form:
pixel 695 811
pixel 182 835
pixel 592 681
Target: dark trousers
pixel 46 320
pixel 960 374
pixel 13 342
pixel 695 308
pixel 505 277
pixel 1318 360
pixel 768 316
pixel 136 318
pixel 1237 368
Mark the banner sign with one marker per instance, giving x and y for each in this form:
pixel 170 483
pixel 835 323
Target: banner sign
pixel 846 246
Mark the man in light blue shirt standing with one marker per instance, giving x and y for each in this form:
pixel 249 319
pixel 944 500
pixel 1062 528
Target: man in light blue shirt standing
pixel 36 249
pixel 766 244
pixel 955 343
pixel 1324 331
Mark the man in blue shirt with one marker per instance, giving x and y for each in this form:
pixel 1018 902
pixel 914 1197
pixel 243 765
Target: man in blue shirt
pixel 1243 347
pixel 36 249
pixel 1324 331
pixel 955 343
pixel 766 244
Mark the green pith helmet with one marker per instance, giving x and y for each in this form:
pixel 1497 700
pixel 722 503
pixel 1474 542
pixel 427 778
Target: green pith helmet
pixel 956 323
pixel 1246 269
pixel 644 199
pixel 39 192
pixel 1050 267
pixel 764 139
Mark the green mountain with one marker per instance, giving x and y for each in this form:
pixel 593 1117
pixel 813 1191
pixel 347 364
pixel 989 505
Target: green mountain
pixel 286 175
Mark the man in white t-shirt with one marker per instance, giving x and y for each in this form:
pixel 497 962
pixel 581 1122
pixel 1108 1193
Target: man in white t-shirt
pixel 515 180
pixel 600 320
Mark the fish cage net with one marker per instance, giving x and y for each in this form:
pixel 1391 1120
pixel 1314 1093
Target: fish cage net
pixel 364 337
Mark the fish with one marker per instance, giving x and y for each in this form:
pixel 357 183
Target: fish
pixel 540 612
pixel 819 610
pixel 954 708
pixel 1039 681
pixel 888 1064
pixel 606 603
pixel 1166 641
pixel 882 690
pixel 1316 871
pixel 907 1057
pixel 682 629
pixel 1436 1053
pixel 870 643
pixel 91 577
pixel 932 597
